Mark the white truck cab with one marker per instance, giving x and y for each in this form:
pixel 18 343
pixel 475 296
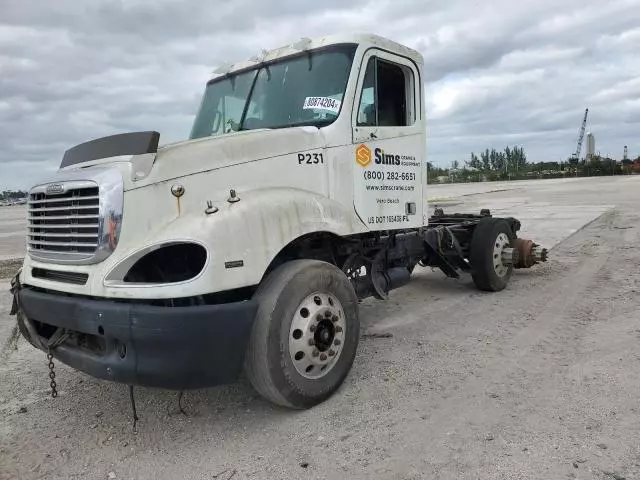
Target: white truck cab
pixel 300 191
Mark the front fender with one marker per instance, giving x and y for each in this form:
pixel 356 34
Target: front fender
pixel 241 238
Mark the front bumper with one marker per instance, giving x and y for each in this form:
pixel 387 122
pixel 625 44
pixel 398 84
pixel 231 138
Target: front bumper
pixel 138 344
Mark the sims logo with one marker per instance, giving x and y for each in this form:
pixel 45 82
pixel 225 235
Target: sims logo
pixel 363 155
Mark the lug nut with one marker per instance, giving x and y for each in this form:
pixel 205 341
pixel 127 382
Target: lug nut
pixel 311 342
pixel 335 318
pixel 312 328
pixel 315 353
pixel 323 357
pixel 336 342
pixel 331 353
pixel 319 317
pixel 327 313
pixel 338 329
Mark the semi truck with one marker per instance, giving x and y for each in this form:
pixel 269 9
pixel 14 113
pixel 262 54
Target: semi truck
pixel 247 248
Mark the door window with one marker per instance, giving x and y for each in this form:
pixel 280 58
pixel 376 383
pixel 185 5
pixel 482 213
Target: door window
pixel 387 94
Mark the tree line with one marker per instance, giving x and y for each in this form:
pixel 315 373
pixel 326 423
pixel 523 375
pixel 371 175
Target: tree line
pixel 512 164
pixel 12 194
pixel 492 160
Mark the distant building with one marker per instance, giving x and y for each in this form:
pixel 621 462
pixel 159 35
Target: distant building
pixel 591 145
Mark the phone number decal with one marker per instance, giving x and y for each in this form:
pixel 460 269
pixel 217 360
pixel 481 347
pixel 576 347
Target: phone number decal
pixel 393 176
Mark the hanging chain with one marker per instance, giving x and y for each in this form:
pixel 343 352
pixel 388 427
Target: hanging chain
pixel 52 374
pixel 54 342
pixel 58 338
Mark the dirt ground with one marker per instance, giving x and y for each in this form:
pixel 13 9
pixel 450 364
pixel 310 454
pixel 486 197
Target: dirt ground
pixel 540 381
pixel 13 228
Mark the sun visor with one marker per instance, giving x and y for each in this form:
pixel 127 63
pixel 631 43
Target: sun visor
pixel 134 143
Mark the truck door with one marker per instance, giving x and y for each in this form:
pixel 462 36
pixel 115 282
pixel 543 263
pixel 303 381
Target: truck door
pixel 389 143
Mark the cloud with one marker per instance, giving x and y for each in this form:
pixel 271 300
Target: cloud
pixel 539 57
pixel 496 72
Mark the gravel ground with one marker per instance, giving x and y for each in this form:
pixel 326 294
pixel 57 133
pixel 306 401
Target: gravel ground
pixel 8 268
pixel 13 228
pixel 540 381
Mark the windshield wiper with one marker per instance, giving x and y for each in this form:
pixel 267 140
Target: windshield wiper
pixel 317 124
pixel 248 100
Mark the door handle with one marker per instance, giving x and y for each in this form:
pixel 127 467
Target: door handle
pixel 372 135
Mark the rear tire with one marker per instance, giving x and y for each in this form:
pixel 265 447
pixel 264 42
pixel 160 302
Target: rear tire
pixel 489 237
pixel 301 302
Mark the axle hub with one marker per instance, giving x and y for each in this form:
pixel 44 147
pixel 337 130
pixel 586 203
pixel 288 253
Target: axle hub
pixel 529 253
pixel 317 334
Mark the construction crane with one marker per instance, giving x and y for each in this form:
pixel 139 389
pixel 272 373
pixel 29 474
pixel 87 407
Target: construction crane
pixel 576 156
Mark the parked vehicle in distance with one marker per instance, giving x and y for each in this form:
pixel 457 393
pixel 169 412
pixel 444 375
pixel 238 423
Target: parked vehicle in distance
pixel 12 202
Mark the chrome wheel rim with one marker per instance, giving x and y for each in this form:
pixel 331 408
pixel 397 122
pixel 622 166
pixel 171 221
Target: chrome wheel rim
pixel 317 334
pixel 499 266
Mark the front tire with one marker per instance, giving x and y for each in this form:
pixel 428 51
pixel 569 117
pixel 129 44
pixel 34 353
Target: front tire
pixel 305 335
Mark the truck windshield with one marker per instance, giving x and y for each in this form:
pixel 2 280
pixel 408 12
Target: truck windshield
pixel 304 90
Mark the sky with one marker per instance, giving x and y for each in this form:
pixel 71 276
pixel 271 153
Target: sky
pixel 497 72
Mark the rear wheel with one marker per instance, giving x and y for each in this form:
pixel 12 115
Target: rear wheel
pixel 305 335
pixel 492 254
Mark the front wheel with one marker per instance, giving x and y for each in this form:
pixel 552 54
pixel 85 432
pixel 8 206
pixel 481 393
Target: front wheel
pixel 305 335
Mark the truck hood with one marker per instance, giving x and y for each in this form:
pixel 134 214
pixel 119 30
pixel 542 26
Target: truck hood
pixel 142 164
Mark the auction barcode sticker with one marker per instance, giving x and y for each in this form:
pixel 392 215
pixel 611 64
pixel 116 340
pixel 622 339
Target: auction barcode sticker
pixel 322 103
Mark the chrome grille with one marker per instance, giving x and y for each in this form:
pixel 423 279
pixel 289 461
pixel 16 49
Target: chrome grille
pixel 64 224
